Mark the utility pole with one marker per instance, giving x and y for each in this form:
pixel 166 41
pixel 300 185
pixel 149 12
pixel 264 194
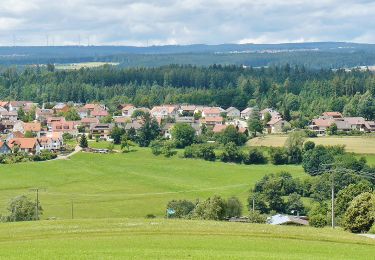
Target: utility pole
pixel 37 201
pixel 253 204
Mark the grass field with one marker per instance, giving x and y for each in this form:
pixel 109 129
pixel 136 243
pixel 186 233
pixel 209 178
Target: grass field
pixel 361 144
pixel 176 239
pixel 126 185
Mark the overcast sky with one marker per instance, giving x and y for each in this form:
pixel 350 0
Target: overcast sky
pixel 126 22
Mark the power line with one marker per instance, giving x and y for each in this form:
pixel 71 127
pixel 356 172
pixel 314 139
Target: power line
pixel 37 201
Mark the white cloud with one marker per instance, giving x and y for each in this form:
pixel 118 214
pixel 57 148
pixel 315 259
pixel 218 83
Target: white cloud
pixel 186 21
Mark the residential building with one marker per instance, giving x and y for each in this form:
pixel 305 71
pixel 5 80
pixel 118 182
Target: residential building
pixel 274 114
pixel 16 105
pixel 212 112
pixel 212 121
pixel 33 127
pixel 42 114
pixel 69 127
pixel 26 145
pixel 276 125
pixel 233 112
pixel 4 148
pixel 99 113
pixel 101 130
pixel 8 115
pixel 280 219
pixel 164 111
pixel 60 108
pixel 246 113
pixel 127 110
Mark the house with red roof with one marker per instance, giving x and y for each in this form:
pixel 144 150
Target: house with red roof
pixel 26 145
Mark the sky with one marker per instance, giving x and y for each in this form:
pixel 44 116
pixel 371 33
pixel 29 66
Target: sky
pixel 161 22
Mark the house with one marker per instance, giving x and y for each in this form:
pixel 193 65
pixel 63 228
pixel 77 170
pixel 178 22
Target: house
pixel 233 112
pixel 370 126
pixel 332 115
pixel 274 114
pixel 4 148
pixel 320 125
pixel 220 128
pixel 92 107
pixel 4 105
pixel 13 135
pixel 83 112
pixel 60 108
pixel 99 113
pixel 8 125
pixel 276 125
pixel 246 113
pixel 167 130
pixel 87 121
pixel 33 127
pixel 42 114
pixel 16 105
pixel 136 125
pixel 280 219
pixel 127 110
pixel 69 127
pixel 121 121
pixel 3 109
pixel 212 121
pixel 101 130
pixel 52 142
pixel 26 145
pixel 164 111
pixel 212 112
pixel 8 115
pixel 54 119
pixel 187 110
pixel 356 123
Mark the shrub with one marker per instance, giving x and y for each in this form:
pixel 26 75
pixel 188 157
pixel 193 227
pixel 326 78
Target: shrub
pixel 255 156
pixel 309 145
pixel 233 207
pixel 150 216
pixel 318 221
pixel 182 208
pixel 210 209
pixel 22 208
pixel 360 215
pixel 156 146
pixel 167 149
pixel 278 155
pixel 231 153
pixel 257 217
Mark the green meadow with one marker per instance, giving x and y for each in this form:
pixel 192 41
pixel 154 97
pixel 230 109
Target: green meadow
pixel 176 239
pixel 126 184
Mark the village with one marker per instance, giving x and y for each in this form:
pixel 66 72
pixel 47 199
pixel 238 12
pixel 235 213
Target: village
pixel 45 129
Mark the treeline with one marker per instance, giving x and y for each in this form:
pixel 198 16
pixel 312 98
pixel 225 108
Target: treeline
pixel 295 91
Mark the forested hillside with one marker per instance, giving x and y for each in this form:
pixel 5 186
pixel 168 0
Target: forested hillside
pixel 294 90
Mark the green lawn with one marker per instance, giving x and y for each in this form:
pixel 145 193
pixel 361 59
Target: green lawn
pixel 356 144
pixel 176 239
pixel 126 185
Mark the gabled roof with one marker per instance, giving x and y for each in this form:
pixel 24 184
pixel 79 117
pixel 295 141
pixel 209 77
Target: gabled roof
pixel 247 110
pixel 99 113
pixel 355 120
pixel 332 114
pixel 212 119
pixel 231 109
pixel 127 107
pixel 219 128
pixel 23 143
pixel 32 127
pixel 90 120
pixel 274 121
pixel 321 122
pixel 212 110
pixel 60 106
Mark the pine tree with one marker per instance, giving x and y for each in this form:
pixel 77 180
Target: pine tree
pixel 83 141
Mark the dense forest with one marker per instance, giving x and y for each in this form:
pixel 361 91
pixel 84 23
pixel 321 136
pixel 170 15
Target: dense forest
pixel 313 55
pixel 295 91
